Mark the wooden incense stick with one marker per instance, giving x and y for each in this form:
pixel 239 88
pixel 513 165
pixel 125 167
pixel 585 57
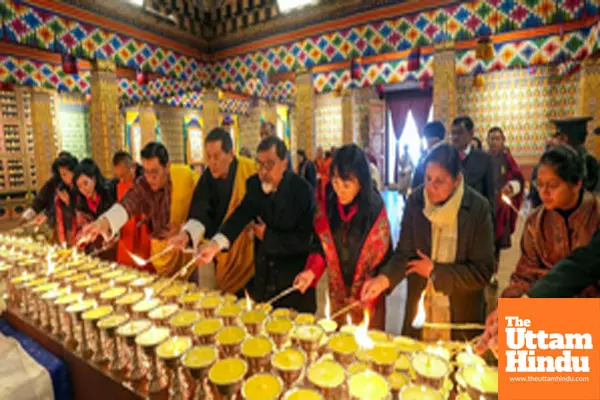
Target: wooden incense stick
pixel 141 262
pixel 282 294
pixel 345 309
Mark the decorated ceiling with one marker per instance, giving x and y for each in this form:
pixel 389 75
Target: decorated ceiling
pixel 524 32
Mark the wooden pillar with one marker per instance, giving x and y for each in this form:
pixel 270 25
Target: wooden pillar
pixel 210 113
pixel 44 138
pixel 104 115
pixel 270 113
pixel 304 115
pixel 250 129
pixel 171 129
pixel 588 102
pixel 444 84
pixel 148 123
pixel 349 129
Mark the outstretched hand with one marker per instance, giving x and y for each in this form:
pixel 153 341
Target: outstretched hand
pixel 423 267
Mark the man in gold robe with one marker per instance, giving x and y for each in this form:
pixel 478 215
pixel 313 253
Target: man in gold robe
pixel 220 190
pixel 163 194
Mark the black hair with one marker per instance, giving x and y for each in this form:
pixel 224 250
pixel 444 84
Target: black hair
pixel 434 129
pixel 273 141
pixel 447 157
pixel 350 161
pixel 65 161
pixel 328 154
pixel 88 167
pixel 220 135
pixel 64 154
pixel 465 121
pixel 478 141
pixel 496 129
pixel 302 153
pixel 158 150
pixel 121 156
pixel 566 162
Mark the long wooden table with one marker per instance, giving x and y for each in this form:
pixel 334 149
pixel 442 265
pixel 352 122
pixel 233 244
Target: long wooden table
pixel 89 381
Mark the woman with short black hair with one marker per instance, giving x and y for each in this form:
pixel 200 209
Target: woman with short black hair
pixel 354 236
pixel 445 247
pixel 64 199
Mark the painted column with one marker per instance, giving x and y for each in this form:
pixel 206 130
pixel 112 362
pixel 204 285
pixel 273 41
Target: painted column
pixel 348 121
pixel 304 115
pixel 148 122
pixel 588 102
pixel 171 130
pixel 210 113
pixel 104 115
pixel 250 129
pixel 44 142
pixel 444 84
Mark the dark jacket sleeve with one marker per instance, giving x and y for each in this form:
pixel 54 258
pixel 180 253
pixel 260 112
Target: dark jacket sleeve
pixel 45 198
pixel 419 175
pixel 477 271
pixel 243 214
pixel 572 274
pixel 199 208
pixel 298 240
pixel 395 268
pixel 488 186
pixel 311 174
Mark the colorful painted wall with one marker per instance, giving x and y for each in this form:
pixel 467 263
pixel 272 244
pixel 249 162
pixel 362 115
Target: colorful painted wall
pixel 522 102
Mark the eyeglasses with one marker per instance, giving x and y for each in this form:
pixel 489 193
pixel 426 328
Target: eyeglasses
pixel 153 173
pixel 551 186
pixel 267 165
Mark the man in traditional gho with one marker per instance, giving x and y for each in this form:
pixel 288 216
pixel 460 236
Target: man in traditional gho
pixel 220 190
pixel 163 195
pixel 134 235
pixel 282 206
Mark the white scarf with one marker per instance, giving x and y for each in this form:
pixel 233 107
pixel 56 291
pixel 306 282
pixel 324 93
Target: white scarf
pixel 444 225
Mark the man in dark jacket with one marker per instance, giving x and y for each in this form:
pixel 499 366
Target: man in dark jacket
pixel 434 133
pixel 307 169
pixel 477 166
pixel 282 206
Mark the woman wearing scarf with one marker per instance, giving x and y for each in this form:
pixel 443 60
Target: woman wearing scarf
pixel 95 196
pixel 353 236
pixel 64 200
pixel 446 245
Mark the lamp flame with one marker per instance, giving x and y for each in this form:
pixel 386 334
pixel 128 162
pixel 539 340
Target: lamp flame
pixel 361 334
pixel 349 320
pixel 328 309
pixel 148 293
pixel 509 203
pixel 50 264
pixel 421 316
pixel 248 301
pixel 137 259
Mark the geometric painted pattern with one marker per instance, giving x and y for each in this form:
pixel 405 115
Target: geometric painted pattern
pixel 521 102
pixel 282 92
pixel 458 22
pixel 43 29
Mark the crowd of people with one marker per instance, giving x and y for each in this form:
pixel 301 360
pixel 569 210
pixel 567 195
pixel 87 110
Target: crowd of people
pixel 263 226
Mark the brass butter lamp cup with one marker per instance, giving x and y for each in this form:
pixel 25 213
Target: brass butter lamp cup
pixel 289 365
pixel 62 303
pixel 257 352
pixel 170 352
pixel 76 310
pixel 110 325
pixel 197 361
pixel 149 341
pixel 228 387
pixel 92 317
pixel 128 332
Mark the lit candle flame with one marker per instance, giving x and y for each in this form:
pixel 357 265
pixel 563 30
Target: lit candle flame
pixel 361 334
pixel 137 259
pixel 509 203
pixel 148 293
pixel 50 264
pixel 69 289
pixel 328 309
pixel 248 301
pixel 349 320
pixel 421 316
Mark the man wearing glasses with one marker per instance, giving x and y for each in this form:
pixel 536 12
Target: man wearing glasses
pixel 163 194
pixel 220 190
pixel 282 206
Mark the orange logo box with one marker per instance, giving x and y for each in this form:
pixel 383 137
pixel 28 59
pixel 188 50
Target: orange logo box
pixel 549 349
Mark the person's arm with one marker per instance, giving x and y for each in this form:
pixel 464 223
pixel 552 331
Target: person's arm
pixel 296 241
pixel 45 196
pixel 239 219
pixel 311 175
pixel 395 268
pixel 572 274
pixel 488 185
pixel 199 216
pixel 528 267
pixel 135 202
pixel 477 271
